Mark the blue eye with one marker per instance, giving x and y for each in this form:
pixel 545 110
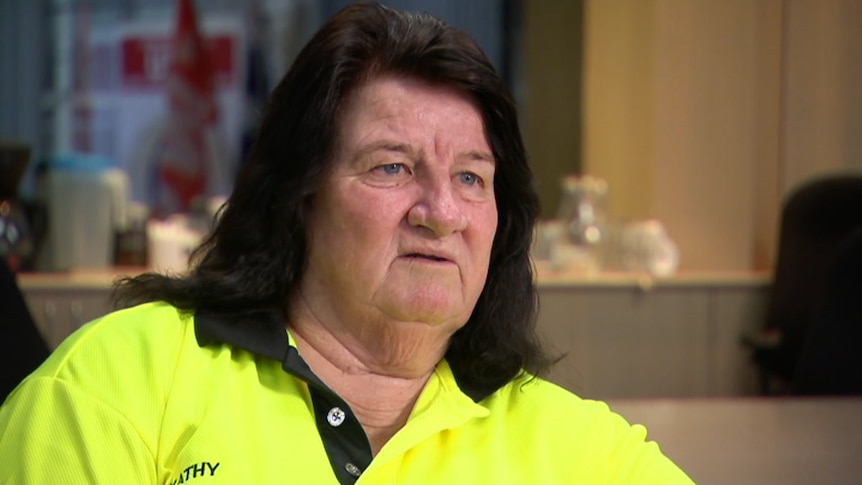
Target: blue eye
pixel 392 168
pixel 468 178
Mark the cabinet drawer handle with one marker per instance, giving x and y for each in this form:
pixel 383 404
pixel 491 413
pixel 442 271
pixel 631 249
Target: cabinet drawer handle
pixel 50 311
pixel 76 309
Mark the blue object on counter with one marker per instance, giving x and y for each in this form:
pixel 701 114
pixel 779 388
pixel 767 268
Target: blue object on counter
pixel 81 162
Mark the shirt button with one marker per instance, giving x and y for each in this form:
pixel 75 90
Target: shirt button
pixel 353 469
pixel 335 416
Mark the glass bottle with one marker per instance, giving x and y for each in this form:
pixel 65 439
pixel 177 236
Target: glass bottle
pixel 583 208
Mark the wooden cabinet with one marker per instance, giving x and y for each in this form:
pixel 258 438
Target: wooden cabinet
pixel 62 302
pixel 59 312
pixel 675 338
pixel 621 338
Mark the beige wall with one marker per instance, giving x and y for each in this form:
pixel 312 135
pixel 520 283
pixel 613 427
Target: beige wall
pixel 619 100
pixel 823 112
pixel 553 49
pixel 703 114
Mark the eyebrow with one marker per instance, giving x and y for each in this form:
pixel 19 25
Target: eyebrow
pixel 406 149
pixel 482 156
pixel 385 145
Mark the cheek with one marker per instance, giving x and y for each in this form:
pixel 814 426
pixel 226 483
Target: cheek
pixel 487 227
pixel 368 217
pixel 482 237
pixel 360 226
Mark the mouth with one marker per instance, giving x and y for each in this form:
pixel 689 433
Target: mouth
pixel 427 257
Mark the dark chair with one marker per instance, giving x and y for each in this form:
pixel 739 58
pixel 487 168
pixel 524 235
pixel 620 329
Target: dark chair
pixel 830 362
pixel 818 219
pixel 22 348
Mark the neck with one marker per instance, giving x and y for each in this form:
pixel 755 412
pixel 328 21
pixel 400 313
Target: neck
pixel 395 362
pixel 381 412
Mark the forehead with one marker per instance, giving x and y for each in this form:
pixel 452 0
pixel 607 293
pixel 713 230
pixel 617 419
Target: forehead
pixel 389 98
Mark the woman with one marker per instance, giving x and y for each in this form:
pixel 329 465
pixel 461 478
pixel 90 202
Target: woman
pixel 363 311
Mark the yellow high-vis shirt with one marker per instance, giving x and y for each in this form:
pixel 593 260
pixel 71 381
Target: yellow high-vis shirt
pixel 153 395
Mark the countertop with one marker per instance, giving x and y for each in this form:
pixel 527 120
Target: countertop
pixel 751 440
pixel 547 277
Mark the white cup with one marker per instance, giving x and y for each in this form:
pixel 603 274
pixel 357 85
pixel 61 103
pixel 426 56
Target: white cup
pixel 170 243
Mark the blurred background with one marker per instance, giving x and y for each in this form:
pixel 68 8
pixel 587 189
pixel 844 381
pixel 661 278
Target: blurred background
pixel 702 115
pixel 699 165
pixel 666 136
pixel 107 112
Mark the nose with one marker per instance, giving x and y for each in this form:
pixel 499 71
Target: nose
pixel 438 208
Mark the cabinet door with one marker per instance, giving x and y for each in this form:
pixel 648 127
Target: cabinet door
pixel 735 311
pixel 623 342
pixel 59 312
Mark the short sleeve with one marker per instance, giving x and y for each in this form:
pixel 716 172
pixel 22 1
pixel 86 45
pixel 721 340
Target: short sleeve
pixel 51 432
pixel 93 411
pixel 635 460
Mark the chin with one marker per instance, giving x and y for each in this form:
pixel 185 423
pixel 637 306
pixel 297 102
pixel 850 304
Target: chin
pixel 434 314
pixel 430 303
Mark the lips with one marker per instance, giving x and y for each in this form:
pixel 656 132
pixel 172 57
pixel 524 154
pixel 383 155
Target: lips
pixel 429 255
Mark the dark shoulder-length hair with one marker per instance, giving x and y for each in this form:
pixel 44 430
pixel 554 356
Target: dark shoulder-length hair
pixel 256 254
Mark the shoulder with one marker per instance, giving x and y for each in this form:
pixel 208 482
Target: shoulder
pixel 131 328
pixel 102 392
pixel 546 416
pixel 531 391
pixel 527 389
pixel 154 318
pixel 553 412
pixel 138 345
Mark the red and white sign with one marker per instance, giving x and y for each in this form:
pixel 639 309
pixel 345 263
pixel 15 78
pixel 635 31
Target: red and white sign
pixel 134 109
pixel 146 60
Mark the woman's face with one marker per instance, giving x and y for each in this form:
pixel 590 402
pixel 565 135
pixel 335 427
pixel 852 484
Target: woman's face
pixel 402 227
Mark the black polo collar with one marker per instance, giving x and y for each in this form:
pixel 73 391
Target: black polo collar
pixel 263 333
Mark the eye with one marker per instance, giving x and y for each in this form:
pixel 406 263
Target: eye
pixel 469 178
pixel 392 168
pixel 388 174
